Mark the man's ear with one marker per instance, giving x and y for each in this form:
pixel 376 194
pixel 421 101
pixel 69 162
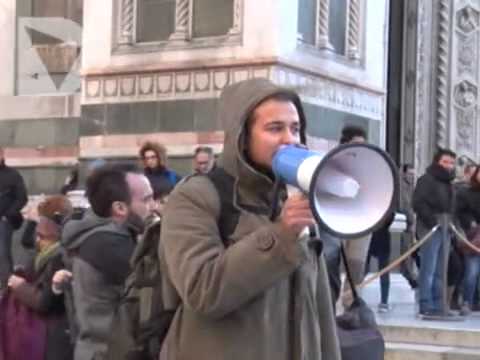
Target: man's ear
pixel 119 209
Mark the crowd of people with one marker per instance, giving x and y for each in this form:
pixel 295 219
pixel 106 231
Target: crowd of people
pixel 216 264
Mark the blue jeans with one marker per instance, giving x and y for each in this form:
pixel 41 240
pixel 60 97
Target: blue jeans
pixel 6 262
pixel 431 273
pixel 472 271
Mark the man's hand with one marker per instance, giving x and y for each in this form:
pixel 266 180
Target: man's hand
pixel 296 214
pixel 59 279
pixel 15 281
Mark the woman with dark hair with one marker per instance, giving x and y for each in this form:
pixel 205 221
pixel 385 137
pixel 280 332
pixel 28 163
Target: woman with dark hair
pixel 468 213
pixel 154 158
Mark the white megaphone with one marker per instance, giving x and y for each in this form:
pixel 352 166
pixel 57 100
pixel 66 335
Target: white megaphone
pixel 351 189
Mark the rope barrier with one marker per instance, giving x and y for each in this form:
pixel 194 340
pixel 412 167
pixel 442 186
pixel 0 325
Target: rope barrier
pixel 410 251
pixel 463 238
pixel 399 260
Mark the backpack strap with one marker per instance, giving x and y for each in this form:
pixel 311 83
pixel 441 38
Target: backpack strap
pixel 229 214
pixel 348 273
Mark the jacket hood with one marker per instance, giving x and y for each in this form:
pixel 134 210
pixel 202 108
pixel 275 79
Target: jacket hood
pixel 236 104
pixel 76 231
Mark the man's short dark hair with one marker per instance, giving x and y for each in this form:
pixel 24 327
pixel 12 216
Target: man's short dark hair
pixel 443 152
pixel 108 184
pixel 203 149
pixel 351 131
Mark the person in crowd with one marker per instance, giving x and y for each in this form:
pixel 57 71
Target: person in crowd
pixel 432 198
pixel 203 160
pixel 100 246
pixel 154 157
pixel 468 214
pixel 71 182
pixel 380 248
pixel 34 288
pixel 464 181
pixel 260 291
pixel 13 197
pixel 408 268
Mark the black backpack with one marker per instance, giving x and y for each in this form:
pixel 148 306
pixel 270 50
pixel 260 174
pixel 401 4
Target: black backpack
pixel 141 322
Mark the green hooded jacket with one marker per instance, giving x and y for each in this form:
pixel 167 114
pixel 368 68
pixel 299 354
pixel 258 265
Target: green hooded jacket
pixel 266 296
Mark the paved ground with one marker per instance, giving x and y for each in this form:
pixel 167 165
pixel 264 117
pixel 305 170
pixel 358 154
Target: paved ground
pixel 404 310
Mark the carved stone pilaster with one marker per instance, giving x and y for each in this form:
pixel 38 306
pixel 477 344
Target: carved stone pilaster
pixel 353 35
pixel 421 101
pixel 237 18
pixel 443 72
pixel 465 79
pixel 183 10
pixel 127 22
pixel 322 39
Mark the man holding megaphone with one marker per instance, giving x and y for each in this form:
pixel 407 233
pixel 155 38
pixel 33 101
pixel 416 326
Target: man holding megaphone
pixel 249 283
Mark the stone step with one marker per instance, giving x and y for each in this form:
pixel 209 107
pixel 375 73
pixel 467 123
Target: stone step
pixel 409 351
pixel 425 335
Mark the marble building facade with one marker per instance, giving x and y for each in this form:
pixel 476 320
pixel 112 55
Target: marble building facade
pixel 139 80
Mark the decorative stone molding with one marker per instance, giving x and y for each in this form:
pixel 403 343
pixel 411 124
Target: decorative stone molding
pixel 467 55
pixel 332 94
pixel 465 71
pixel 166 85
pixel 465 94
pixel 181 38
pixel 208 83
pixel 465 123
pixel 467 19
pixel 421 115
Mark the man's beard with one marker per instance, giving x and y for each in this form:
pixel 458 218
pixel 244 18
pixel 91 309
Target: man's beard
pixel 135 223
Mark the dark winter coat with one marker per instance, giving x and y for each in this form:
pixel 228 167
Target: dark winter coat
pixel 468 207
pixel 13 194
pixel 100 251
pixel 433 195
pixel 37 294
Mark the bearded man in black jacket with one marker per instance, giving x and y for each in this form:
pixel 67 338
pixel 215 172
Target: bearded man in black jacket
pixel 433 197
pixel 13 197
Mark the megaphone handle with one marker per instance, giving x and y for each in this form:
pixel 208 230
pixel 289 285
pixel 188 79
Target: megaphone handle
pixel 348 273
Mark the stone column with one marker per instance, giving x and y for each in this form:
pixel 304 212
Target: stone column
pixel 237 18
pixel 183 9
pixel 127 22
pixel 443 73
pixel 322 39
pixel 353 35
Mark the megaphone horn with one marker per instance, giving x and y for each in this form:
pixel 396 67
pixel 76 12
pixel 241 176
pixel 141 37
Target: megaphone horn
pixel 351 189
